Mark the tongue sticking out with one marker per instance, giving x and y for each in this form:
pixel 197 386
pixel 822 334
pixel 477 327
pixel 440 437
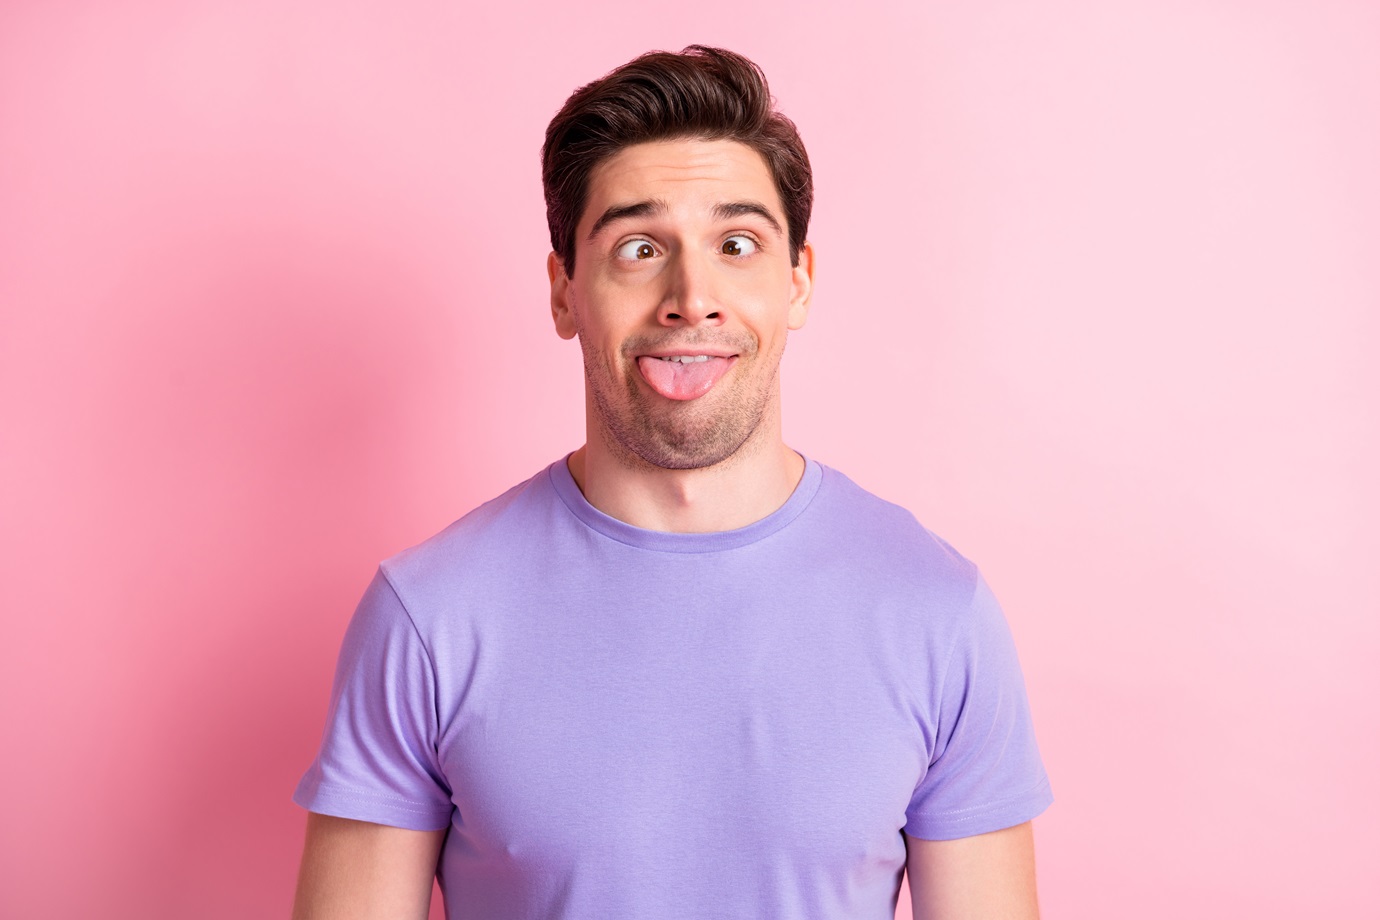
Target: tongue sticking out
pixel 676 380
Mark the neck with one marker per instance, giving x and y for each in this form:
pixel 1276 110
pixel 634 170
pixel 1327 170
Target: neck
pixel 746 487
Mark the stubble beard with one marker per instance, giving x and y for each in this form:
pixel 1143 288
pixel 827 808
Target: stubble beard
pixel 645 429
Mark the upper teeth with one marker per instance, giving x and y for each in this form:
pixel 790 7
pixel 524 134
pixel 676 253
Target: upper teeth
pixel 686 359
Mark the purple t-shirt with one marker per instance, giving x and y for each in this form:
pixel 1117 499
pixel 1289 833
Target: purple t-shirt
pixel 622 723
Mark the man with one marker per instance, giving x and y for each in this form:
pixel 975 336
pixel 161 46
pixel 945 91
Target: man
pixel 683 672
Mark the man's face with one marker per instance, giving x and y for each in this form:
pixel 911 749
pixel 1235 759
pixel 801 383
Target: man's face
pixel 682 297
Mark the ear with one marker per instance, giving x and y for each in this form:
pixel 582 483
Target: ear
pixel 561 313
pixel 802 287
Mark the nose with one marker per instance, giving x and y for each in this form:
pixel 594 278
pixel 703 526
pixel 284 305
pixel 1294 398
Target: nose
pixel 690 298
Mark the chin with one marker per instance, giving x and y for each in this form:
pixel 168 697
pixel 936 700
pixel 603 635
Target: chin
pixel 688 446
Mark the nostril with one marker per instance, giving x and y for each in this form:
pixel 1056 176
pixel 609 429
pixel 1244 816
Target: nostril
pixel 714 315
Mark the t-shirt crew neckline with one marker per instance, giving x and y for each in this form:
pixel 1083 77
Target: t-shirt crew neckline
pixel 667 542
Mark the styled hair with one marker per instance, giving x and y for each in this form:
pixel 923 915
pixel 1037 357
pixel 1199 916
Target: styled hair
pixel 702 92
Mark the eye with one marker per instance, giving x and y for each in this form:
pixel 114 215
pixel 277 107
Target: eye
pixel 636 250
pixel 738 246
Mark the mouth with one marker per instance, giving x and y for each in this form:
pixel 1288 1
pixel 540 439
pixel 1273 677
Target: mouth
pixel 684 375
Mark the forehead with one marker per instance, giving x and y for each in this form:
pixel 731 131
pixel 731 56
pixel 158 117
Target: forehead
pixel 688 173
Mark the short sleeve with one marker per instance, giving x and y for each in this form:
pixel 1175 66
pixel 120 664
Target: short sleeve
pixel 378 760
pixel 985 773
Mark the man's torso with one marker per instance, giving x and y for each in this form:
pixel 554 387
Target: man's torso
pixel 630 723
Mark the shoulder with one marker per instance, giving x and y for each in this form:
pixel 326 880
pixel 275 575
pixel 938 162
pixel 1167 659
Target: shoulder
pixel 898 578
pixel 881 536
pixel 488 540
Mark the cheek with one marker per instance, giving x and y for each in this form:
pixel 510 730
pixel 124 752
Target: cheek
pixel 770 288
pixel 598 340
pixel 608 310
pixel 772 313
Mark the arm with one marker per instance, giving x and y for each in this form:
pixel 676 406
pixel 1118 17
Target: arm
pixel 986 877
pixel 355 870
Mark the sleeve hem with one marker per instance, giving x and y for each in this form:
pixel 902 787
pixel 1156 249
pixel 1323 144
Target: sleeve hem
pixel 981 820
pixel 374 808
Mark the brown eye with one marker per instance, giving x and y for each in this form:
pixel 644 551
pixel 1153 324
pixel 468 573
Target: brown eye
pixel 639 250
pixel 738 246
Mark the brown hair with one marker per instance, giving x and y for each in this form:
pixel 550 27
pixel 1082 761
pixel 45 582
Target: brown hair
pixel 702 92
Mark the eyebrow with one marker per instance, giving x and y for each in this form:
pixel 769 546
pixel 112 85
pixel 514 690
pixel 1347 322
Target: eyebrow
pixel 732 209
pixel 625 211
pixel 723 211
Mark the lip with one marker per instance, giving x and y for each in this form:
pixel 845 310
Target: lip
pixel 681 352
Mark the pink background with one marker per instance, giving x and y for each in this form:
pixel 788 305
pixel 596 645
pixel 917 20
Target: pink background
pixel 1097 299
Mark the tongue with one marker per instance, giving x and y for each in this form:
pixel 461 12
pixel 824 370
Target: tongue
pixel 675 380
